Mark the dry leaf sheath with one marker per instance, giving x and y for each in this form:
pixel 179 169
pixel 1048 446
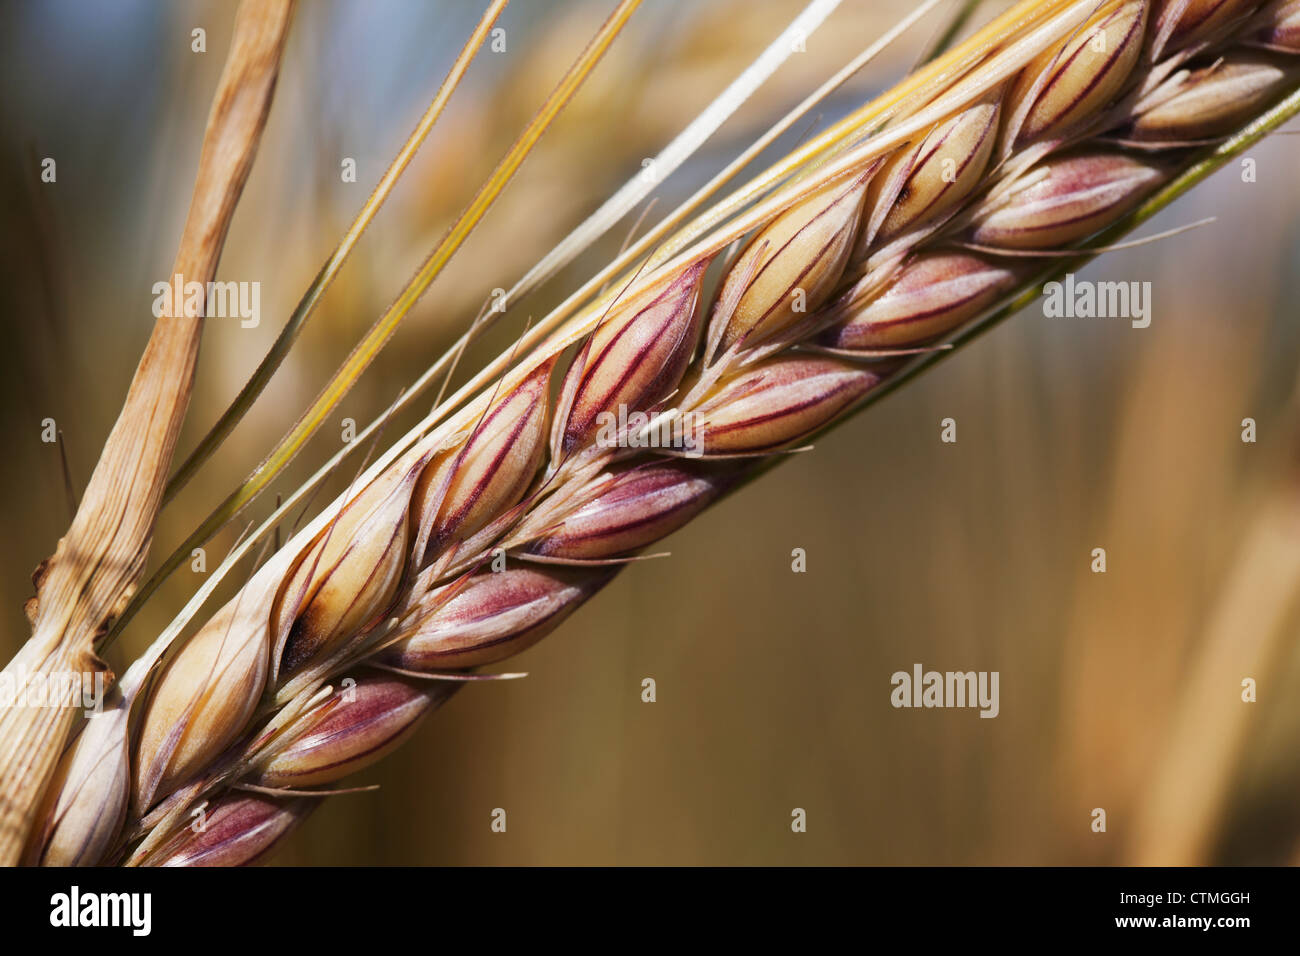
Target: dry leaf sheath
pixel 85 584
pixel 483 533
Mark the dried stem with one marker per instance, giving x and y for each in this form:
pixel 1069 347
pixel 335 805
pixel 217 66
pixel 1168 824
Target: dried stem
pixel 85 584
pixel 383 329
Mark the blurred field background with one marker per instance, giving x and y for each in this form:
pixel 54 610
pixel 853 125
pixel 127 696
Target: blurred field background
pixel 1118 690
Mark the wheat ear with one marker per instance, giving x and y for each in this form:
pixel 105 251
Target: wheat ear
pixel 477 538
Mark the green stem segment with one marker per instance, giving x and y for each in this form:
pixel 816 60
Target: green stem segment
pixel 1030 290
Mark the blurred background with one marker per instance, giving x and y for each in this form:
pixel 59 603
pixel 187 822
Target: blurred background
pixel 1119 691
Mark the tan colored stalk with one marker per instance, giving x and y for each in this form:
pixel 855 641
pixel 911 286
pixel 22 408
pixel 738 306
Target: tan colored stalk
pixel 84 585
pixel 1181 810
pixel 1019 159
pixel 378 335
pixel 325 277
